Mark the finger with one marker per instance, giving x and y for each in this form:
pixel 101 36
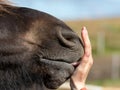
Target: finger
pixel 87 58
pixel 86 41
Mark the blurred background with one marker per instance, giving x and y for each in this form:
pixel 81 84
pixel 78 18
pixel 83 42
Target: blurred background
pixel 102 19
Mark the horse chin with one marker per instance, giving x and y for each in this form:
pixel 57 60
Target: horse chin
pixel 57 72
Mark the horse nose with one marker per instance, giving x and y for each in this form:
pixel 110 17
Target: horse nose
pixel 69 39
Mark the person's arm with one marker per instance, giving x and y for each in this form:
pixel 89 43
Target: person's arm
pixel 78 79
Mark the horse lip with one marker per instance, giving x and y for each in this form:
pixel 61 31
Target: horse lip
pixel 62 60
pixel 57 60
pixel 74 64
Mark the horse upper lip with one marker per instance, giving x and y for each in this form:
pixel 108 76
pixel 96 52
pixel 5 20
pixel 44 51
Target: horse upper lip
pixel 62 60
pixel 58 60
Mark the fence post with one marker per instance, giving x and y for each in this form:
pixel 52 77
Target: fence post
pixel 100 42
pixel 115 66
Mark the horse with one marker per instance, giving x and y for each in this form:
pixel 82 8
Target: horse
pixel 36 49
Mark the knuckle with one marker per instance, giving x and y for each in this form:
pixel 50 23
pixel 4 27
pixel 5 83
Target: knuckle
pixel 87 54
pixel 89 47
pixel 85 61
pixel 91 63
pixel 81 72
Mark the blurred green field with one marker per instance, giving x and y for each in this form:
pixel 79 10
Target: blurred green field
pixel 110 30
pixel 109 27
pixel 106 83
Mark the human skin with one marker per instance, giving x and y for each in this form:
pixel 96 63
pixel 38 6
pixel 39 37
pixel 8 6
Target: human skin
pixel 78 79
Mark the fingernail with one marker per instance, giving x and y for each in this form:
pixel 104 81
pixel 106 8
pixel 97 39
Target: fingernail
pixel 84 30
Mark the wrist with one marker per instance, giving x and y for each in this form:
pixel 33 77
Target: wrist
pixel 77 84
pixel 83 88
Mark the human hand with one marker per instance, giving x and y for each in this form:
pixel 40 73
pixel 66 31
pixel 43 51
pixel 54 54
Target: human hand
pixel 78 79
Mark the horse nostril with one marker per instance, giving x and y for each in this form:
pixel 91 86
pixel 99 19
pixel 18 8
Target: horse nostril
pixel 68 38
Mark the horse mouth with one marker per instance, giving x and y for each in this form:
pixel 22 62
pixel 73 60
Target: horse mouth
pixel 58 71
pixel 62 62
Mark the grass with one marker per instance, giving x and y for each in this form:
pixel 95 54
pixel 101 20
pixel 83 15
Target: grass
pixel 106 83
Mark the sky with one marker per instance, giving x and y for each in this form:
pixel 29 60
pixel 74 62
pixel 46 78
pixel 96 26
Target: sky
pixel 74 9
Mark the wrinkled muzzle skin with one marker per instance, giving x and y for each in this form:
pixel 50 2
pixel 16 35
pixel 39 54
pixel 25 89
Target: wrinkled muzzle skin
pixel 62 48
